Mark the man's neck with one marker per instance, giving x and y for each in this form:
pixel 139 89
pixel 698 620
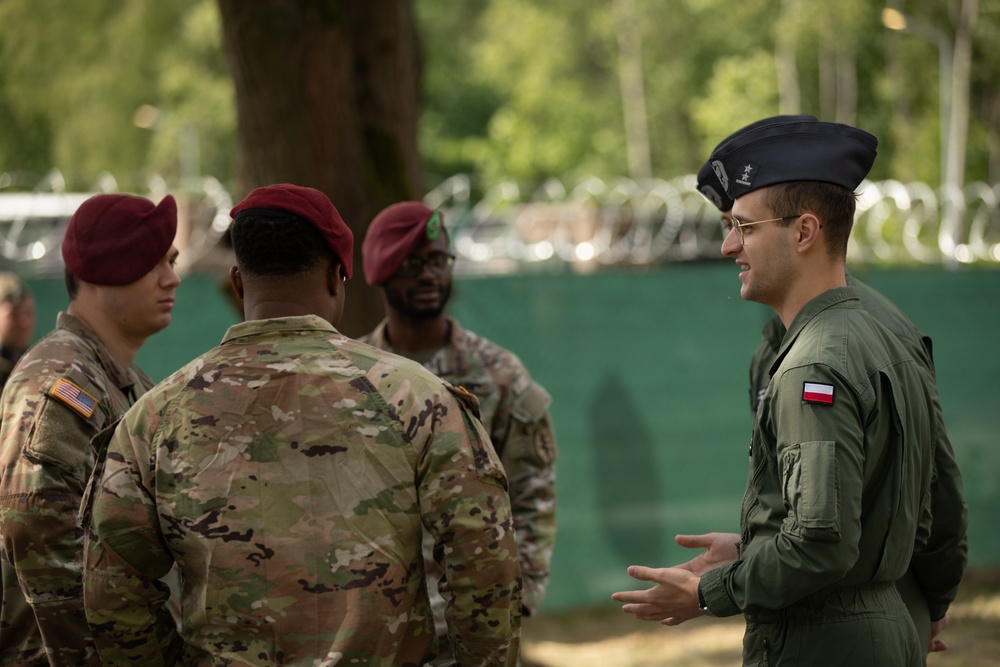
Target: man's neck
pixel 408 334
pixel 123 348
pixel 807 290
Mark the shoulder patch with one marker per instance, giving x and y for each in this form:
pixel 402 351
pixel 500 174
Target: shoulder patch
pixel 531 404
pixel 74 396
pixel 817 392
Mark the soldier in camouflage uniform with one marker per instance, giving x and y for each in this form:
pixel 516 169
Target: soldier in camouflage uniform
pixel 17 322
pixel 289 474
pixel 406 251
pixel 119 258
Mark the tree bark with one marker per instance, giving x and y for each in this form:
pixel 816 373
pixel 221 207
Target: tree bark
pixel 328 96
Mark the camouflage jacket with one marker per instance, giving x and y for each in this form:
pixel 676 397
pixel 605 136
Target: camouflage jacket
pixel 514 410
pixel 62 392
pixel 289 474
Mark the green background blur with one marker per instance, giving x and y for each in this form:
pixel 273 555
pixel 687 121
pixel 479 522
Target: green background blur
pixel 648 374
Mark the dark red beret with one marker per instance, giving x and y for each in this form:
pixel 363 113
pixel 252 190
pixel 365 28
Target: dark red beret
pixel 116 239
pixel 312 206
pixel 393 235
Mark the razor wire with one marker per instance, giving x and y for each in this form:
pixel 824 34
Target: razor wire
pixel 623 222
pixel 585 225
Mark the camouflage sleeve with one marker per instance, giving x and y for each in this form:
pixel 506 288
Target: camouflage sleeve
pixel 465 508
pixel 125 555
pixel 41 537
pixel 529 456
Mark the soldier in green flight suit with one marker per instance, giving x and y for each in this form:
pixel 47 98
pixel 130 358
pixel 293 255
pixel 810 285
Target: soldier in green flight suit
pixel 838 492
pixel 931 583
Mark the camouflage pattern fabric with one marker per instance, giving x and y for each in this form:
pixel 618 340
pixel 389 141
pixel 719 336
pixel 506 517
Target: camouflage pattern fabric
pixel 514 410
pixel 289 473
pixel 62 392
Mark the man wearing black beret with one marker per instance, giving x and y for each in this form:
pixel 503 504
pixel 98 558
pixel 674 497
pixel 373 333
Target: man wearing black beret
pixel 942 565
pixel 119 256
pixel 841 457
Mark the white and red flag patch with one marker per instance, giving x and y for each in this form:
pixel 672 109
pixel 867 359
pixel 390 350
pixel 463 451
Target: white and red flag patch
pixel 817 392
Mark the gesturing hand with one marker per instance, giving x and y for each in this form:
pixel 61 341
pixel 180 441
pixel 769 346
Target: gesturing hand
pixel 672 601
pixel 720 548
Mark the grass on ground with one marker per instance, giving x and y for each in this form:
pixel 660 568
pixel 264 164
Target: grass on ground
pixel 606 637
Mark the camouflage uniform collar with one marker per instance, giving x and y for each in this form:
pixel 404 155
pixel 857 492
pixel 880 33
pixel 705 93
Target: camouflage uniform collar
pixel 123 378
pixel 297 323
pixel 447 359
pixel 452 359
pixel 377 337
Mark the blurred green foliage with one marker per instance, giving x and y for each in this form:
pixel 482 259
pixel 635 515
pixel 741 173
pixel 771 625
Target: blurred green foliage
pixel 523 89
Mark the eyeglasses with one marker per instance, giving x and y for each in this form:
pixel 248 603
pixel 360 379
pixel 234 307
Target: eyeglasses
pixel 438 262
pixel 729 223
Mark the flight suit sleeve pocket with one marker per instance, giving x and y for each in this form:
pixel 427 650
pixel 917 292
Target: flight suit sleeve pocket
pixel 811 490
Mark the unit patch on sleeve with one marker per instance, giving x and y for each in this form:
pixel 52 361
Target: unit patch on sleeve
pixel 816 392
pixel 73 396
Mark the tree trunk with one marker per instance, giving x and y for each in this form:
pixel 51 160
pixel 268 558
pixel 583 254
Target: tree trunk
pixel 328 96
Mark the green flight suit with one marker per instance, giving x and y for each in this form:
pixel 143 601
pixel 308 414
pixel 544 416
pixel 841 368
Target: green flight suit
pixel 931 583
pixel 838 496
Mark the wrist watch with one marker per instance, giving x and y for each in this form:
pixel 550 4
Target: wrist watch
pixel 702 605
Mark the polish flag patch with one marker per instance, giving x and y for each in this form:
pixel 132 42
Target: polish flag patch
pixel 816 392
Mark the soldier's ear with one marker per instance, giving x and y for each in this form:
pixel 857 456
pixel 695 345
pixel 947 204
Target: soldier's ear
pixel 807 228
pixel 236 280
pixel 334 278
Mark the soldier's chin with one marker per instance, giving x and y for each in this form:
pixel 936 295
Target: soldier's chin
pixel 426 312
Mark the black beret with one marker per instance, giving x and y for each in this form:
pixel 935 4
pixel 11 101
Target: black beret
pixel 708 182
pixel 794 151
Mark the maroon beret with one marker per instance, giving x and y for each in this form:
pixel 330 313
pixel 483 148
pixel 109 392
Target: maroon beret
pixel 312 206
pixel 116 239
pixel 393 234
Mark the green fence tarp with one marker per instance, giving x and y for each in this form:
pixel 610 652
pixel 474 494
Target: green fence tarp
pixel 648 373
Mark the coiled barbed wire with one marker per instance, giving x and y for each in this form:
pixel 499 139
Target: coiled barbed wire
pixel 586 225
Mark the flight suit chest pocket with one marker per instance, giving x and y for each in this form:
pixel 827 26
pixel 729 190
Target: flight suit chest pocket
pixel 810 489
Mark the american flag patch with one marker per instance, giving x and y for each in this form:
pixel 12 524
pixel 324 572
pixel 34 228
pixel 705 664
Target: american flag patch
pixel 815 392
pixel 74 397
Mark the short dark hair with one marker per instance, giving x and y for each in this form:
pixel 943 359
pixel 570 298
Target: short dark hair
pixel 275 246
pixel 833 204
pixel 72 284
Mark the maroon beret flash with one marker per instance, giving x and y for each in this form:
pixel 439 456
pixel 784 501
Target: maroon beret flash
pixel 312 206
pixel 115 239
pixel 393 234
